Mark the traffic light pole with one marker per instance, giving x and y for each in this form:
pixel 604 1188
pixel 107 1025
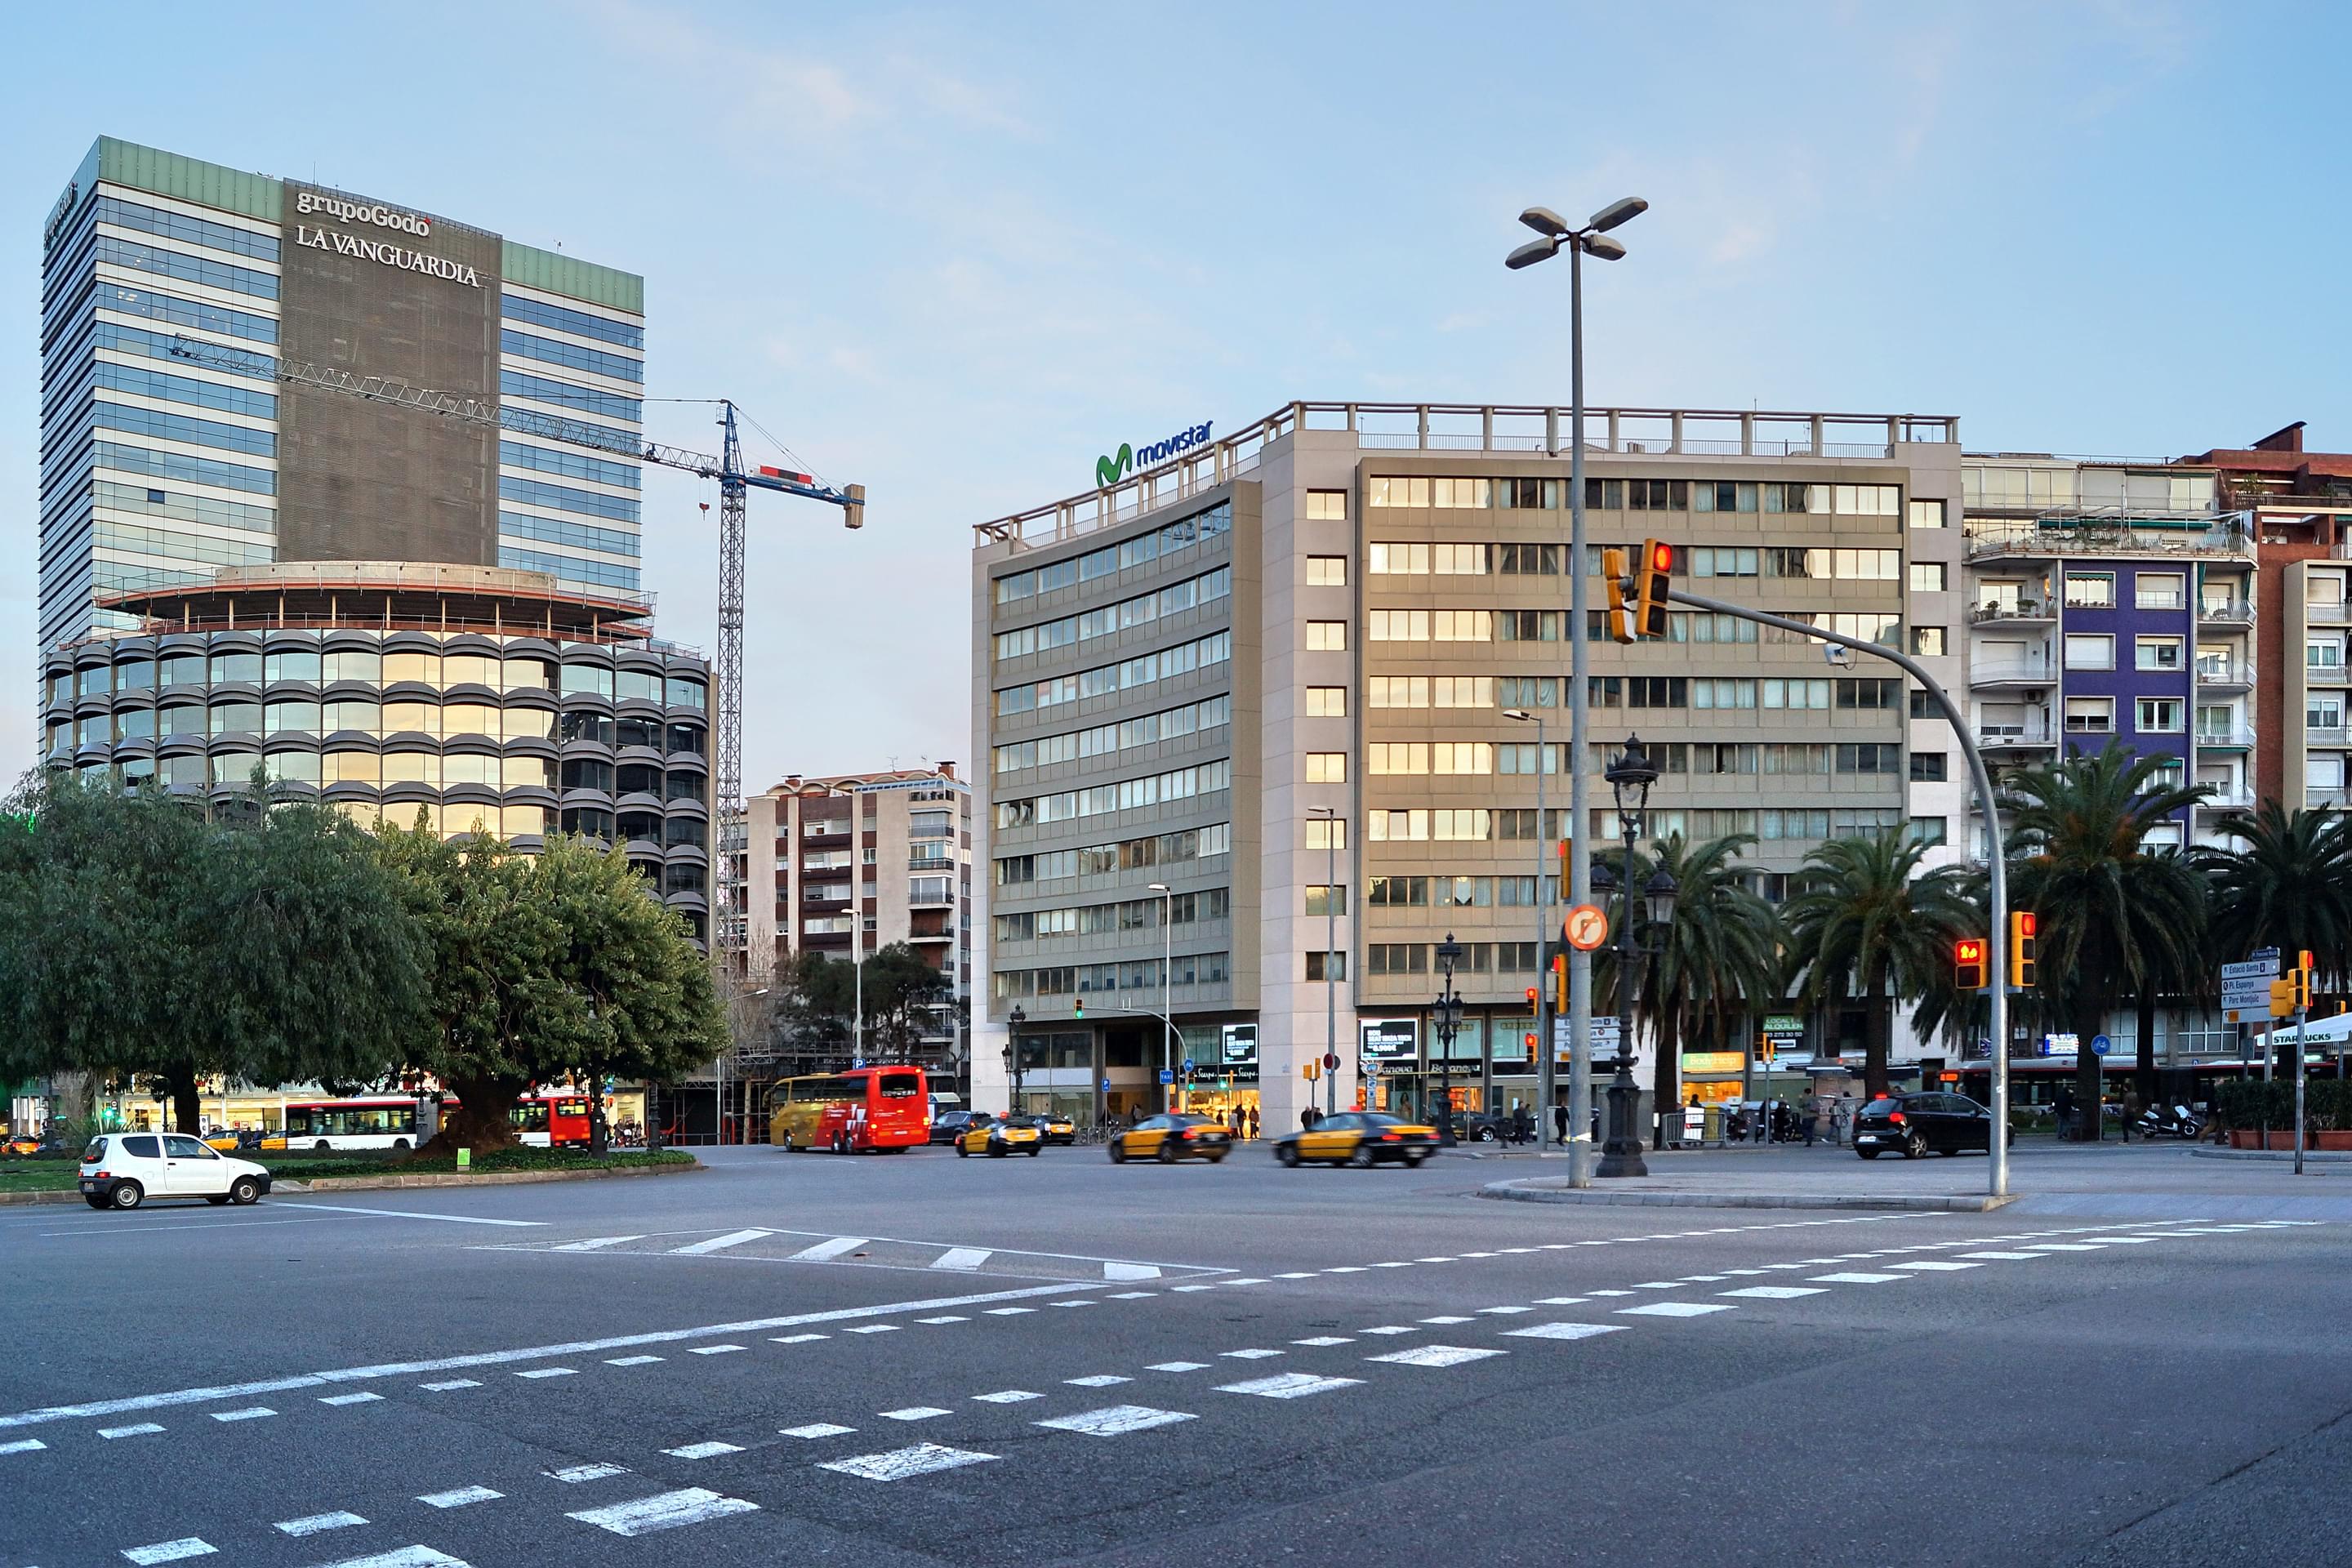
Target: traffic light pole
pixel 1997 877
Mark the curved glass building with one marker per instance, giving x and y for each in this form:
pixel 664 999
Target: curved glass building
pixel 482 698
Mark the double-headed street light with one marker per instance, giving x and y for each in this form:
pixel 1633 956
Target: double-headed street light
pixel 1447 1016
pixel 1167 977
pixel 1012 1054
pixel 1629 777
pixel 1590 240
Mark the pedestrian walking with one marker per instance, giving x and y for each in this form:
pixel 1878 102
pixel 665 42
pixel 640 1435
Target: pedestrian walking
pixel 1253 1118
pixel 2064 1106
pixel 1805 1118
pixel 1559 1123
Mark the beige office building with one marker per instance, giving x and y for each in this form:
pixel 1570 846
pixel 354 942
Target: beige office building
pixel 1269 680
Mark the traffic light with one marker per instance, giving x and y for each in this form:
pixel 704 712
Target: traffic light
pixel 1765 1050
pixel 1532 995
pixel 1621 616
pixel 2302 978
pixel 1969 966
pixel 1078 1008
pixel 1650 588
pixel 1311 1071
pixel 2021 948
pixel 1559 981
pixel 1531 1045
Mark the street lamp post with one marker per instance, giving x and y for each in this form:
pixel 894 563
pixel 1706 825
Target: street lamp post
pixel 1166 977
pixel 1632 774
pixel 1546 1086
pixel 1448 1018
pixel 1330 959
pixel 1590 240
pixel 1013 1056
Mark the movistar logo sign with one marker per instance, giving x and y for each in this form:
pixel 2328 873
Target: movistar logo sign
pixel 1108 471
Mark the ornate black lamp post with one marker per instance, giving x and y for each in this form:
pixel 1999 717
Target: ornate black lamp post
pixel 1447 1015
pixel 1630 775
pixel 1012 1056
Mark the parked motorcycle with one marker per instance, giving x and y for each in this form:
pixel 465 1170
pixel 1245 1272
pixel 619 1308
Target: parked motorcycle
pixel 2174 1121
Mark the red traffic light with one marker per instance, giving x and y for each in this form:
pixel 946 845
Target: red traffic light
pixel 1531 995
pixel 1969 950
pixel 1660 556
pixel 2024 923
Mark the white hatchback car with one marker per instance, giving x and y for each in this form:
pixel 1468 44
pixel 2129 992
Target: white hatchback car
pixel 123 1170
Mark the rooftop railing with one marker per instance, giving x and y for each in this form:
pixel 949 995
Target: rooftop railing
pixel 1524 429
pixel 2190 535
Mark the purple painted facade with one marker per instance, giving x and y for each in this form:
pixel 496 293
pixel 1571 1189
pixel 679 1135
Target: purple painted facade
pixel 2127 683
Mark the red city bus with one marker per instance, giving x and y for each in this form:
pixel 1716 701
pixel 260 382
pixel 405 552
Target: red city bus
pixel 552 1118
pixel 865 1107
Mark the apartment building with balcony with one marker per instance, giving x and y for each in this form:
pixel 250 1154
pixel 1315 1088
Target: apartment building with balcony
pixel 847 864
pixel 1267 688
pixel 2111 602
pixel 2299 506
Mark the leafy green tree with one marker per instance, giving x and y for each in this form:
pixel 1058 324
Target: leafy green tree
pixel 819 999
pixel 2288 886
pixel 139 937
pixel 1865 925
pixel 543 969
pixel 1721 957
pixel 2115 915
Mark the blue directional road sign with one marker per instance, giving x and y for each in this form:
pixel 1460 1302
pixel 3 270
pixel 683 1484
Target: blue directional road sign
pixel 1188 1064
pixel 1167 1077
pixel 1106 1088
pixel 2099 1044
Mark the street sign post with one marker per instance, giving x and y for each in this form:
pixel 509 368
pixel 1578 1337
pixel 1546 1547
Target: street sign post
pixel 1588 927
pixel 1166 1078
pixel 2246 987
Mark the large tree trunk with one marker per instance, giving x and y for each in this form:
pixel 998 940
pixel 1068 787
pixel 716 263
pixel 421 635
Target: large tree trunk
pixel 187 1102
pixel 2143 1069
pixel 1878 1029
pixel 1665 1078
pixel 2089 1126
pixel 482 1120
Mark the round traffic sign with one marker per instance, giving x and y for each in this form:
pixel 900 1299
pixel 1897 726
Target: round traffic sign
pixel 1331 1061
pixel 1588 927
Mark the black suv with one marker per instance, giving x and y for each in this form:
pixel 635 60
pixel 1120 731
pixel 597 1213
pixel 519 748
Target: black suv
pixel 949 1125
pixel 1912 1124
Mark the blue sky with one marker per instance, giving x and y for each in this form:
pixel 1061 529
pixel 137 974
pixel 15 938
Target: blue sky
pixel 954 253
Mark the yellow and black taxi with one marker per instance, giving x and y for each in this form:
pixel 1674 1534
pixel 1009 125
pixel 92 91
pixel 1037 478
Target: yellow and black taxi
pixel 1359 1138
pixel 1178 1135
pixel 1055 1129
pixel 998 1136
pixel 20 1143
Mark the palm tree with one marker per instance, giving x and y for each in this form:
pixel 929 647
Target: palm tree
pixel 1721 949
pixel 2290 887
pixel 2115 915
pixel 1867 925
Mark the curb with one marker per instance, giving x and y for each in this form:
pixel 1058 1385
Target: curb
pixel 64 1197
pixel 468 1179
pixel 1520 1191
pixel 2271 1156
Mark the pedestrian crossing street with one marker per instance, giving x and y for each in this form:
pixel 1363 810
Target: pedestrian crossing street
pixel 976 1430
pixel 758 1243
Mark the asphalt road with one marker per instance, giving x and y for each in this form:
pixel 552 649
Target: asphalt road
pixel 916 1359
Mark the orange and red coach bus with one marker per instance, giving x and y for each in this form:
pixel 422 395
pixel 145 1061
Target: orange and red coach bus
pixel 880 1108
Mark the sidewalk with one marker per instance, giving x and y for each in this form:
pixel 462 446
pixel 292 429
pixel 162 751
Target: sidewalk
pixel 2045 1178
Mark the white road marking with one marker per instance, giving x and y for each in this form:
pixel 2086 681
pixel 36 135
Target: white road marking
pixel 1435 1355
pixel 171 1551
pixel 1857 1278
pixel 1609 1292
pixel 797 1339
pixel 1392 1329
pixel 445 1385
pixel 876 1327
pixel 962 1257
pixel 944 1318
pixel 912 1413
pixel 575 1474
pixel 500 1358
pixel 1009 1311
pixel 1560 1301
pixel 1125 1271
pixel 1353 1269
pixel 2064 1247
pixel 1322 1340
pixel 459 1496
pixel 1701 1278
pixel 1252 1280
pixel 1505 1312
pixel 1519 1249
pixel 1775 1293
pixel 33 1445
pixel 1309 1274
pixel 720 1350
pixel 1130 1295
pixel 734 1238
pixel 2007 1257
pixel 140 1430
pixel 1659 1285
pixel 1082 1302
pixel 1563 1331
pixel 1178 1367
pixel 833 1248
pixel 631 1359
pixel 899 1464
pixel 665 1510
pixel 550 1372
pixel 405 1557
pixel 1416 1260
pixel 817 1429
pixel 1404 1265
pixel 251 1413
pixel 1099 1380
pixel 1289 1385
pixel 317 1523
pixel 1248 1355
pixel 1189 1287
pixel 1116 1420
pixel 349 1398
pixel 1673 1309
pixel 599 1243
pixel 1936 1265
pixel 703 1450
pixel 412 1214
pixel 1447 1321
pixel 1731 1271
pixel 1007 1396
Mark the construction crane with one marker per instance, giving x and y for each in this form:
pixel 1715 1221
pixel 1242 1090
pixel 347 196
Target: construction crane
pixel 730 932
